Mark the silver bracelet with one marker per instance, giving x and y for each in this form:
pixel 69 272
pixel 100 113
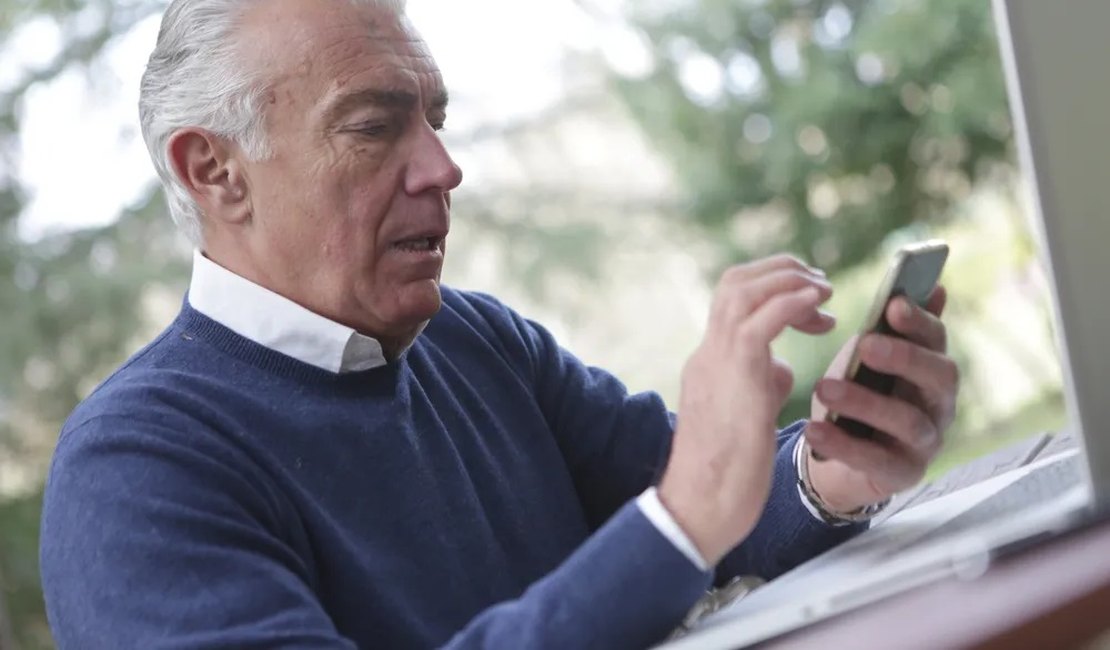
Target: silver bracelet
pixel 827 514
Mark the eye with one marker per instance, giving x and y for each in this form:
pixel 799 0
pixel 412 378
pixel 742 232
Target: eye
pixel 376 127
pixel 372 129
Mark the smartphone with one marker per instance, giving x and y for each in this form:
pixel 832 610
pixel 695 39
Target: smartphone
pixel 913 273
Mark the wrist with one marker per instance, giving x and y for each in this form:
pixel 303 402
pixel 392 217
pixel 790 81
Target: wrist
pixel 832 492
pixel 828 491
pixel 692 518
pixel 711 527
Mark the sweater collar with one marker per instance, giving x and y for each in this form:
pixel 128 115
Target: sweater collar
pixel 271 320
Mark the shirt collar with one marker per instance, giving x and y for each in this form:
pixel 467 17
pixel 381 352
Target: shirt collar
pixel 253 311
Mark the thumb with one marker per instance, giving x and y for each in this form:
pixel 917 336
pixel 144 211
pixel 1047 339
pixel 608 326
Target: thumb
pixel 937 300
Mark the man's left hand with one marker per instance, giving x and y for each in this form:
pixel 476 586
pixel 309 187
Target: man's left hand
pixel 912 420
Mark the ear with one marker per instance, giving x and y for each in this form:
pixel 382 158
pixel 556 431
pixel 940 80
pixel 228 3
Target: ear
pixel 212 170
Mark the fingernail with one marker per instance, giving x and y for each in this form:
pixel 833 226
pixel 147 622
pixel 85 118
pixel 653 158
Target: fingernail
pixel 816 271
pixel 907 308
pixel 879 347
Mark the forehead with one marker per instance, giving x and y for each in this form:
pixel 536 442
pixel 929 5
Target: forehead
pixel 318 48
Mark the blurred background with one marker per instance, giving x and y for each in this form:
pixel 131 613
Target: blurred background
pixel 618 155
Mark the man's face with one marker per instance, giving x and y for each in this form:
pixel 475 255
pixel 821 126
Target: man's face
pixel 349 216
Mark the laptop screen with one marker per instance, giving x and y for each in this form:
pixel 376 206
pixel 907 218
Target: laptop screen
pixel 1059 86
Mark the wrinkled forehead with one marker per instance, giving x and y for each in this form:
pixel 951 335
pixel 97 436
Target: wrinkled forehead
pixel 320 47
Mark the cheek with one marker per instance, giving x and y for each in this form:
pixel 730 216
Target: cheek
pixel 344 195
pixel 351 227
pixel 293 190
pixel 369 196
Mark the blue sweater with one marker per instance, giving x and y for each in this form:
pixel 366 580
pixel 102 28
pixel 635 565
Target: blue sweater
pixel 214 493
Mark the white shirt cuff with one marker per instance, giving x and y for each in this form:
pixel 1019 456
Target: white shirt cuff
pixel 798 460
pixel 658 515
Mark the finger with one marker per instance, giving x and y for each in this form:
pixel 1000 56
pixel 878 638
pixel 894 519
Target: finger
pixel 917 324
pixel 741 273
pixel 937 301
pixel 737 302
pixel 760 290
pixel 820 322
pixel 935 374
pixel 757 290
pixel 775 315
pixel 895 417
pixel 890 467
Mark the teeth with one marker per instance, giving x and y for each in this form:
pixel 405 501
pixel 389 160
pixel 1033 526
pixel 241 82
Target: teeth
pixel 416 245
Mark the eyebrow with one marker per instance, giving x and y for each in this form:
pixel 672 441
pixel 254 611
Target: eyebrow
pixel 385 98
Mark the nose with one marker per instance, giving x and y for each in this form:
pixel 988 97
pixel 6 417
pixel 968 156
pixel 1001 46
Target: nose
pixel 430 167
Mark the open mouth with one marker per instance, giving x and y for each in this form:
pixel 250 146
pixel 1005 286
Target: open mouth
pixel 419 244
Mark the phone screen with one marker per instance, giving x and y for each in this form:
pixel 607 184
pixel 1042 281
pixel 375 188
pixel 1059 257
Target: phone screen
pixel 914 274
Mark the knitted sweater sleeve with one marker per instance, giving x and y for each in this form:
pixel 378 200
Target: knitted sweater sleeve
pixel 152 543
pixel 149 542
pixel 616 445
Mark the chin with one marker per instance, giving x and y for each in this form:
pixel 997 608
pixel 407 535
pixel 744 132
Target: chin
pixel 417 303
pixel 406 318
pixel 428 301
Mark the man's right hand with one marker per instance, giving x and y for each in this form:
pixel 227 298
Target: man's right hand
pixel 718 476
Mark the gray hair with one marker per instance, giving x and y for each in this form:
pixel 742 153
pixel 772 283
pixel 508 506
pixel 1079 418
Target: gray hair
pixel 196 78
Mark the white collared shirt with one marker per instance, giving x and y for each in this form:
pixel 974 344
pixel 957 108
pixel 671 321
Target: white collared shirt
pixel 256 313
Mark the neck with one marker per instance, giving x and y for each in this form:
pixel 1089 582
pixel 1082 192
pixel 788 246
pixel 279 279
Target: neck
pixel 394 346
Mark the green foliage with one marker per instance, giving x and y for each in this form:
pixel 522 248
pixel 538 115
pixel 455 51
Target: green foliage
pixel 834 124
pixel 71 303
pixel 72 306
pixel 19 587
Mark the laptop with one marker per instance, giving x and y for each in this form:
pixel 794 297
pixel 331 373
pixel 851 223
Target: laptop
pixel 1059 86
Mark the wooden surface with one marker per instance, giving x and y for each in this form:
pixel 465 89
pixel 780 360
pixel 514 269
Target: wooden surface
pixel 1053 595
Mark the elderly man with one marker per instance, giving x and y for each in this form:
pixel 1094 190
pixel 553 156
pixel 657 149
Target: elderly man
pixel 329 449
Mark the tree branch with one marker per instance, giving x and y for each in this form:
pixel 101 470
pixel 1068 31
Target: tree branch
pixel 115 22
